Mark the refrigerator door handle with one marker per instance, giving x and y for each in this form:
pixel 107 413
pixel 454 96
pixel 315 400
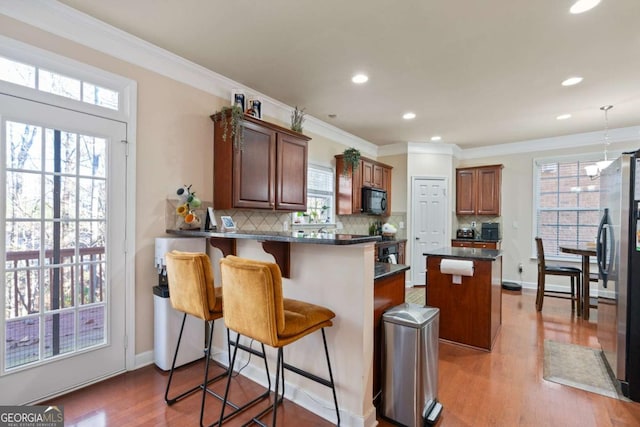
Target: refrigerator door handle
pixel 601 246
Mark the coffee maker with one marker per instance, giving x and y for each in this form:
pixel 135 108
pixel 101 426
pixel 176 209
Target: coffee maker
pixel 490 231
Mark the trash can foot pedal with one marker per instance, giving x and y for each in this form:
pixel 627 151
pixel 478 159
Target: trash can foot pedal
pixel 434 414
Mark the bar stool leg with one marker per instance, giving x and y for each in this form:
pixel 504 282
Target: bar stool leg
pixel 333 385
pixel 206 372
pixel 225 399
pixel 275 397
pixel 173 366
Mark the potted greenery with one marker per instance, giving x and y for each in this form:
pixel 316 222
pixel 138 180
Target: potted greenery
pixel 232 119
pixel 297 118
pixel 351 157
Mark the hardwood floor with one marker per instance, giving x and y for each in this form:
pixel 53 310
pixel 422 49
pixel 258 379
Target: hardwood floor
pixel 501 388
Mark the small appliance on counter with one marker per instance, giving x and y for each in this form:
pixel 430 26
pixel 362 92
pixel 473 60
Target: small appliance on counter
pixel 490 231
pixel 166 320
pixel 466 233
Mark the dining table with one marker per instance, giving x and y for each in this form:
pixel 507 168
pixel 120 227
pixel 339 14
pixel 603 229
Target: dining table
pixel 586 252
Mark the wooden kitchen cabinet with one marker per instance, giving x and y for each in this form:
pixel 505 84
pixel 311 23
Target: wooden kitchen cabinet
pixel 269 171
pixel 373 174
pixel 459 243
pixel 478 190
pixel 349 186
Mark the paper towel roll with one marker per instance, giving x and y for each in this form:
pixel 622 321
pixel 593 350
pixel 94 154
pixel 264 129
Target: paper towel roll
pixel 392 259
pixel 456 267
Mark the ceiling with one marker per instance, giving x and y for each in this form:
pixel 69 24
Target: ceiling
pixel 477 73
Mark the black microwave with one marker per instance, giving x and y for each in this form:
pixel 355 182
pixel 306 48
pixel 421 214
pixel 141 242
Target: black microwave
pixel 374 201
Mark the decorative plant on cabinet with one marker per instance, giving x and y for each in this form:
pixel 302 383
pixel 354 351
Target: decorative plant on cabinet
pixel 232 120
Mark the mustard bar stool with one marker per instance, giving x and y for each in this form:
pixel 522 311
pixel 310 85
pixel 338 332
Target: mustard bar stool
pixel 254 307
pixel 192 291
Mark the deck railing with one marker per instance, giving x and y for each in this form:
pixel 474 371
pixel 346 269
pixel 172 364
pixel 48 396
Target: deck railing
pixel 25 277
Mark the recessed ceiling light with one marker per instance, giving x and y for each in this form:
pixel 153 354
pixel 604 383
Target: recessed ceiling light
pixel 409 116
pixel 563 117
pixel 572 81
pixel 583 6
pixel 360 78
pixel 436 138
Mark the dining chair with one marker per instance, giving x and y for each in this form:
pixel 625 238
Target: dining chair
pixel 556 270
pixel 254 307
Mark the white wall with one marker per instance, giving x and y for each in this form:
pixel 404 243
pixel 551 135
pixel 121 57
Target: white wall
pixel 518 204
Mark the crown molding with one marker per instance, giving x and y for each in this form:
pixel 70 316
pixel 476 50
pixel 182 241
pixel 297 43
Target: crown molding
pixel 433 148
pixel 64 21
pixel 578 140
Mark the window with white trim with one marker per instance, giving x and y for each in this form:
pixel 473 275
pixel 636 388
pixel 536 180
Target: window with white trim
pixel 566 204
pixel 320 197
pixel 48 81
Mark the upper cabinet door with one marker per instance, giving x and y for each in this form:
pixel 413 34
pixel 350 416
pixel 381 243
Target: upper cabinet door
pixel 478 190
pixel 367 173
pixel 254 169
pixel 378 178
pixel 269 171
pixel 291 183
pixel 489 191
pixel 465 192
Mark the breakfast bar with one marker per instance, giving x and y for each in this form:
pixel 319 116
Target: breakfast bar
pixel 337 271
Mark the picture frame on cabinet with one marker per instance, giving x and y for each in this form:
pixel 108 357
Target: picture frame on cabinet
pixel 254 108
pixel 227 223
pixel 238 98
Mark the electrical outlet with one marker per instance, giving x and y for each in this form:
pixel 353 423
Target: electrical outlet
pixel 520 268
pixel 473 224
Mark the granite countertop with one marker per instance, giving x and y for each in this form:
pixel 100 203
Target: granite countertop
pixel 384 269
pixel 390 241
pixel 458 239
pixel 283 236
pixel 465 253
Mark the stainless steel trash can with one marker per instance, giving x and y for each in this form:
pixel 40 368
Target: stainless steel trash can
pixel 410 365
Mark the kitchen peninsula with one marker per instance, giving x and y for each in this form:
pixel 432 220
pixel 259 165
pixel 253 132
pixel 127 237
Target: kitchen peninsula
pixel 470 303
pixel 337 271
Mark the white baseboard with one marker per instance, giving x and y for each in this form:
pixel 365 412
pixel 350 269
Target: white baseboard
pixel 143 359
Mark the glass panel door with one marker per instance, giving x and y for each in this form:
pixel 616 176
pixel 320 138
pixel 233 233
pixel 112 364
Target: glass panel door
pixel 63 234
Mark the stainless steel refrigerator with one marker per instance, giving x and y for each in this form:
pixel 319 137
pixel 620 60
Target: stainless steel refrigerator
pixel 618 253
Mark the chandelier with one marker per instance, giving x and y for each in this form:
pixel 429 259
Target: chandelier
pixel 593 171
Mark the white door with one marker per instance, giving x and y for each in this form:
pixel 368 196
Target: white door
pixel 63 238
pixel 429 213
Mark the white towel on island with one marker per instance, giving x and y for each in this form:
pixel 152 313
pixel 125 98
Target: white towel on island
pixel 457 268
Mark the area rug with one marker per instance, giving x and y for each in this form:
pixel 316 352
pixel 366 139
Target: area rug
pixel 579 367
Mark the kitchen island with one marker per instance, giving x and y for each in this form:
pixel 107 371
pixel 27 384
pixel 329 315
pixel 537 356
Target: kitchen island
pixel 470 305
pixel 332 270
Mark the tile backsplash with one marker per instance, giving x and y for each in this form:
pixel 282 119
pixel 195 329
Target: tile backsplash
pixel 250 220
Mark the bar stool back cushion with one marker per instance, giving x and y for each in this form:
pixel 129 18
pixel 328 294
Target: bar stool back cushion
pixel 191 288
pixel 254 305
